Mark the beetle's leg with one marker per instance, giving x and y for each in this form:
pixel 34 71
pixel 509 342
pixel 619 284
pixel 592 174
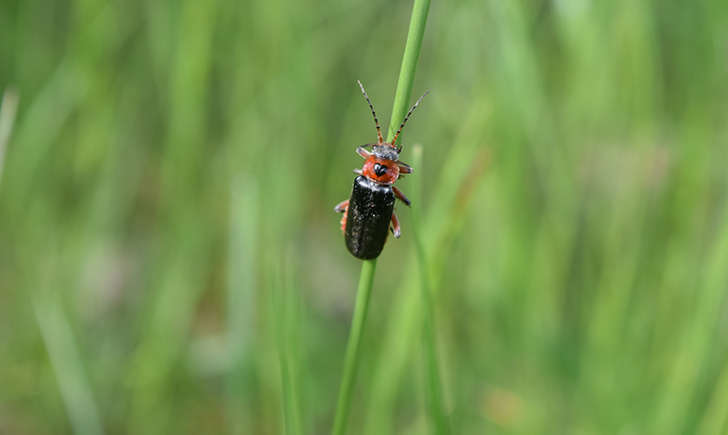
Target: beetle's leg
pixel 357 171
pixel 340 207
pixel 404 168
pixel 398 193
pixel 363 151
pixel 344 217
pixel 395 226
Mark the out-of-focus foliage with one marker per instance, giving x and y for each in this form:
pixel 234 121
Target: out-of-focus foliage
pixel 170 260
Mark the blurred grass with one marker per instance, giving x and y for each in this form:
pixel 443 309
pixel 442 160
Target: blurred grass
pixel 166 240
pixel 400 115
pixel 433 378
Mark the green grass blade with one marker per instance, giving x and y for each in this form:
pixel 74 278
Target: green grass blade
pixel 241 300
pixel 285 304
pixel 399 109
pixel 436 407
pixel 352 350
pixel 409 64
pixel 8 107
pixel 67 364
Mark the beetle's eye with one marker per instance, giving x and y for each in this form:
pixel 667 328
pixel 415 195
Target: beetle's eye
pixel 379 169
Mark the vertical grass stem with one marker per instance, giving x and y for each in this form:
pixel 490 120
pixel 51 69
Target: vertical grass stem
pixel 402 94
pixel 434 397
pixel 352 350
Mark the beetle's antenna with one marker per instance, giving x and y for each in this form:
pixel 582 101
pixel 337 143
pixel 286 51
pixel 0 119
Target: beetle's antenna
pixel 380 139
pixel 407 117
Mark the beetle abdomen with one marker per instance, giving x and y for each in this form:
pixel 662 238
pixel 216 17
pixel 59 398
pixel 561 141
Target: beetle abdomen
pixel 367 222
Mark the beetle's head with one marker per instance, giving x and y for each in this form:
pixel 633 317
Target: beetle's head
pixel 382 165
pixel 385 151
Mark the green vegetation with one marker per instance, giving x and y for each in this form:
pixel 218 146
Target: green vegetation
pixel 353 347
pixel 416 32
pixel 170 261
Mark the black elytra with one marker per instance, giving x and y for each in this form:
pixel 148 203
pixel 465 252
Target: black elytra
pixel 368 217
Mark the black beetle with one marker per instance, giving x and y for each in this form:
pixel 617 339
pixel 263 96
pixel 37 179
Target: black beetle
pixel 370 209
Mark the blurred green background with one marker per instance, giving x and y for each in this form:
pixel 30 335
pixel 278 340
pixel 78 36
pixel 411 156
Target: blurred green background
pixel 170 260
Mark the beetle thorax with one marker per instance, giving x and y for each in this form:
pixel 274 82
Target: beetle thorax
pixel 381 170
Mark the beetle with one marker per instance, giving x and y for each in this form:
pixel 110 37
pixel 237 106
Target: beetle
pixel 369 212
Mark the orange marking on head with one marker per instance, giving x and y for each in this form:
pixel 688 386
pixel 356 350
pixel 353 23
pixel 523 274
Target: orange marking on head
pixel 381 170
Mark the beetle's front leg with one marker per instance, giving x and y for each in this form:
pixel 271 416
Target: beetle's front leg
pixel 404 168
pixel 398 193
pixel 340 207
pixel 395 226
pixel 362 151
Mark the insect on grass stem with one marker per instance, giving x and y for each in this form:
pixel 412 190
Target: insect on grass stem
pixel 402 94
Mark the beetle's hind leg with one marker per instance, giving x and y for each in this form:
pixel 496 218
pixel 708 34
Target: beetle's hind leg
pixel 342 206
pixel 398 193
pixel 395 226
